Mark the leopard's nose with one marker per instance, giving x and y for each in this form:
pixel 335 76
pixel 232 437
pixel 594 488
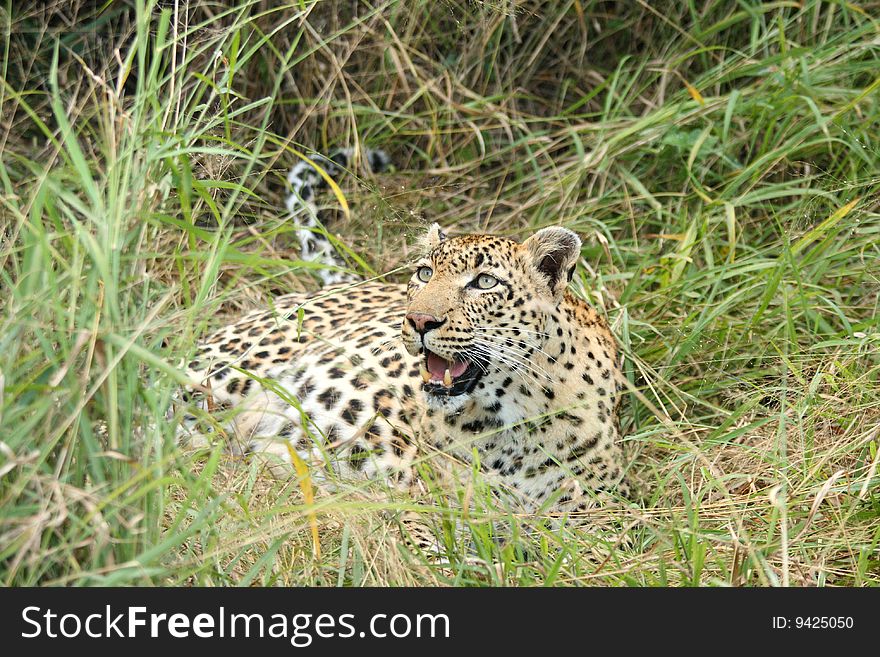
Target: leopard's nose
pixel 423 322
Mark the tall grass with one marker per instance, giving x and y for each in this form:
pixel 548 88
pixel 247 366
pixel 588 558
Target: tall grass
pixel 720 160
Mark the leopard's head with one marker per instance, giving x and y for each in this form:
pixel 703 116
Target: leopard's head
pixel 477 310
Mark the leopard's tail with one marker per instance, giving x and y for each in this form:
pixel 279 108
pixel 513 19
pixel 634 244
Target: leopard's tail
pixel 305 183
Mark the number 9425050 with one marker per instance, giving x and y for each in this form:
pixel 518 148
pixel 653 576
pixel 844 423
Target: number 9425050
pixel 823 622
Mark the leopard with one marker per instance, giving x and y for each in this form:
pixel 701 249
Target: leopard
pixel 484 361
pixel 305 181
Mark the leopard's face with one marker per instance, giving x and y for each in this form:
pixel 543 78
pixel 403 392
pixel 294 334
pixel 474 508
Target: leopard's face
pixel 476 312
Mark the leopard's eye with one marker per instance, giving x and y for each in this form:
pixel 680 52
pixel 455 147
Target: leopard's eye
pixel 424 274
pixel 485 282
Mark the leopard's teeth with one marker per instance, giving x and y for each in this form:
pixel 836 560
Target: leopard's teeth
pixel 426 375
pixel 447 378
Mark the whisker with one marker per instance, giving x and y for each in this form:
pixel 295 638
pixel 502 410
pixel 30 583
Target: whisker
pixel 511 359
pixel 515 368
pixel 501 341
pixel 517 329
pixel 478 363
pixel 386 344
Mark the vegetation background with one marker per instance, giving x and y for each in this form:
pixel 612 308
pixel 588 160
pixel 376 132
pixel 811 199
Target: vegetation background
pixel 719 158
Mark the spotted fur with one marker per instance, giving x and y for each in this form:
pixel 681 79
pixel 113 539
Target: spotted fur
pixel 305 182
pixel 340 376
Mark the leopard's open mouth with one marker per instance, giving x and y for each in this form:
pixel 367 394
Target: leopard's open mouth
pixel 448 377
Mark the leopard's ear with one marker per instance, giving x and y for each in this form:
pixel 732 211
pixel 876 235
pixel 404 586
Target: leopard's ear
pixel 553 253
pixel 433 237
